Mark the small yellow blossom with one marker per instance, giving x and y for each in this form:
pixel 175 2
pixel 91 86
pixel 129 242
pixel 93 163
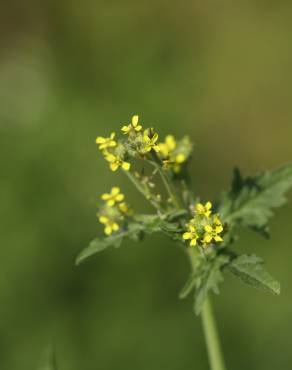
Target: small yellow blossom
pixel 168 146
pixel 106 142
pixel 149 142
pixel 191 235
pixel 125 209
pixel 116 162
pixel 132 127
pixel 113 197
pixel 212 233
pixel 110 225
pixel 204 210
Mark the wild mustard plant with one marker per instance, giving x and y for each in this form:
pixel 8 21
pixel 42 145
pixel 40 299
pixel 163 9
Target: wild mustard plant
pixel 206 231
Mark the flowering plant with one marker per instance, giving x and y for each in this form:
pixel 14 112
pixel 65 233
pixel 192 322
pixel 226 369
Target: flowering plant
pixel 206 231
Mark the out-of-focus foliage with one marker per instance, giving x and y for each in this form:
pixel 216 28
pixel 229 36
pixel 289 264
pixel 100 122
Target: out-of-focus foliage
pixel 219 72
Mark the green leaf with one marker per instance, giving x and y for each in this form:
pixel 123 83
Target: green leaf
pixel 250 270
pixel 208 279
pixel 251 200
pixel 148 224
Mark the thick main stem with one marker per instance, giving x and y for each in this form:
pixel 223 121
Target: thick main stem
pixel 211 337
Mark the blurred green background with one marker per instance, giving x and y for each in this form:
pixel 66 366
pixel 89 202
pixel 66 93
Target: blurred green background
pixel 69 71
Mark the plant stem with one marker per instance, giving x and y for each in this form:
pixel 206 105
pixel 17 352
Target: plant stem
pixel 212 338
pixel 141 189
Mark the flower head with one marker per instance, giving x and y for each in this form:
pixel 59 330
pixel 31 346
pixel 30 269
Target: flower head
pixel 116 162
pixel 204 210
pixel 204 228
pixel 132 127
pixel 106 142
pixel 191 235
pixel 213 231
pixel 110 226
pixel 149 142
pixel 113 197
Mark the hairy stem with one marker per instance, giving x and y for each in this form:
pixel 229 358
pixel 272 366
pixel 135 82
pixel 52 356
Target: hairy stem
pixel 212 339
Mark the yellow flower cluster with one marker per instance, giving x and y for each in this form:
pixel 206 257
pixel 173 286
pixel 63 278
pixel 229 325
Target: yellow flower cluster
pixel 114 210
pixel 140 142
pixel 204 228
pixel 115 161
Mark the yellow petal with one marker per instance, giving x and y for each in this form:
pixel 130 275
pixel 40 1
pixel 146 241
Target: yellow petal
pixel 170 142
pixel 208 238
pixel 200 208
pixel 126 166
pixel 114 166
pixel 156 148
pixel 135 120
pixel 187 236
pixel 193 242
pixel 100 140
pixel 105 196
pixel 115 226
pixel 113 134
pixel 208 228
pixel 103 220
pixel 138 128
pixel 192 228
pixel 108 230
pixel 115 190
pixel 111 203
pixel 208 205
pixel 218 229
pixel 180 158
pixel 218 238
pixel 120 197
pixel 125 129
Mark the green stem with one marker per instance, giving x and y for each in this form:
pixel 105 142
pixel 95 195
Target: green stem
pixel 211 336
pixel 212 339
pixel 140 188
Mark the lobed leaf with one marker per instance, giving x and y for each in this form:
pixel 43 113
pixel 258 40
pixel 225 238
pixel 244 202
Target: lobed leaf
pixel 251 200
pixel 250 270
pixel 208 279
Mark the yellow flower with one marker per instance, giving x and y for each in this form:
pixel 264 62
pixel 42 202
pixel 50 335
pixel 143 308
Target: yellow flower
pixel 212 231
pixel 116 162
pixel 168 146
pixel 204 210
pixel 114 197
pixel 191 235
pixel 125 209
pixel 149 142
pixel 106 142
pixel 110 225
pixel 132 127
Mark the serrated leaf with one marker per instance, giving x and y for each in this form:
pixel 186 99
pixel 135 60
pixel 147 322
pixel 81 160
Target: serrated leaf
pixel 98 245
pixel 250 270
pixel 209 278
pixel 148 224
pixel 251 201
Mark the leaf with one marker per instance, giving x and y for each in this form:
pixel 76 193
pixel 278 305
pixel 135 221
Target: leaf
pixel 98 245
pixel 251 201
pixel 208 279
pixel 148 224
pixel 250 270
